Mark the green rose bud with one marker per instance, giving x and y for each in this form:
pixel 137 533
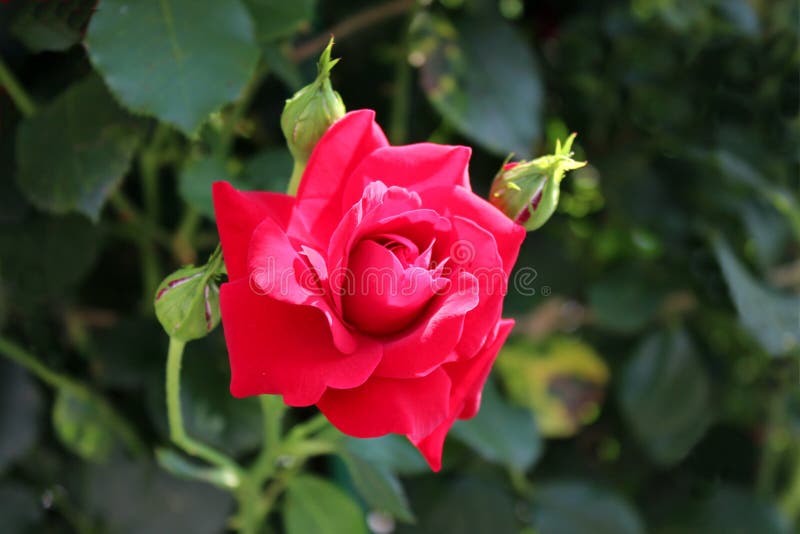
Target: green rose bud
pixel 528 191
pixel 308 115
pixel 187 301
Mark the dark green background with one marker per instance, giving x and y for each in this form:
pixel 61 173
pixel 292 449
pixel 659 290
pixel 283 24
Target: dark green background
pixel 673 256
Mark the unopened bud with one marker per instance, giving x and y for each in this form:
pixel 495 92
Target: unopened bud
pixel 310 112
pixel 528 191
pixel 187 301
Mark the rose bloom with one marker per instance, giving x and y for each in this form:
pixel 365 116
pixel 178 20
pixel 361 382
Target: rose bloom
pixel 376 293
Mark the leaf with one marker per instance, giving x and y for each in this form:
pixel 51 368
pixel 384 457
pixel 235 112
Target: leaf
pixel 43 257
pixel 82 426
pixel 278 18
pixel 20 406
pixel 377 485
pixel 315 505
pixel 562 380
pixel 482 78
pixel 52 26
pixel 196 180
pixel 20 510
pixel 141 499
pixel 166 59
pixel 665 395
pixel 468 505
pixel 392 452
pixel 88 141
pixel 623 302
pixel 178 465
pixel 573 507
pixel 266 171
pixel 501 433
pixel 770 317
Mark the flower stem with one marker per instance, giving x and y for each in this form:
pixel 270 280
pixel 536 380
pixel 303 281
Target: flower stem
pixel 175 417
pixel 15 90
pixel 294 181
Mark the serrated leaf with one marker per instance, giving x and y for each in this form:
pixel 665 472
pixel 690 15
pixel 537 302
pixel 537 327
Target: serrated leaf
pixel 482 78
pixel 377 485
pixel 315 505
pixel 665 395
pixel 20 405
pixel 573 507
pixel 278 18
pixel 562 380
pixel 88 141
pixel 771 317
pixel 81 426
pixel 501 433
pixel 177 60
pixel 52 26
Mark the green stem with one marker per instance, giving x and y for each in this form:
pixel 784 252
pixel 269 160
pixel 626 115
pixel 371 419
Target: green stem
pixel 116 422
pixel 773 447
pixel 175 417
pixel 790 502
pixel 239 109
pixel 15 90
pixel 297 173
pixel 398 121
pixel 272 411
pixel 182 244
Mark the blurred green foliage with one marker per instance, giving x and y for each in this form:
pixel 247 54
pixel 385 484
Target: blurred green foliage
pixel 652 383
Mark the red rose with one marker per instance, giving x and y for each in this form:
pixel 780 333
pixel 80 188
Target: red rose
pixel 376 293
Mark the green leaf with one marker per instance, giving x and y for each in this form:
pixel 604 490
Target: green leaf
pixel 623 302
pixel 196 180
pixel 20 510
pixel 52 26
pixel 770 317
pixel 481 77
pixel 574 507
pixel 82 427
pixel 20 405
pixel 167 59
pixel 377 485
pixel 88 141
pixel 727 510
pixel 562 380
pixel 315 505
pixel 666 396
pixel 266 171
pixel 49 255
pixel 471 506
pixel 501 433
pixel 141 499
pixel 278 18
pixel 392 452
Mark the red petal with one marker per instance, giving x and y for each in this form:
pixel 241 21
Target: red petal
pixel 468 378
pixel 341 149
pixel 420 167
pixel 284 349
pixel 385 405
pixel 238 213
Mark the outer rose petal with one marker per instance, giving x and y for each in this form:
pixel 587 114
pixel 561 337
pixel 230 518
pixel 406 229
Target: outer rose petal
pixel 420 167
pixel 319 197
pixel 385 405
pixel 507 233
pixel 284 349
pixel 468 378
pixel 238 213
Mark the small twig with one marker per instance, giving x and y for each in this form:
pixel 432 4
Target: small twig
pixel 15 90
pixel 359 21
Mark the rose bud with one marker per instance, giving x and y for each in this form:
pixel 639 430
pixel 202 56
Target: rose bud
pixel 308 114
pixel 187 301
pixel 528 191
